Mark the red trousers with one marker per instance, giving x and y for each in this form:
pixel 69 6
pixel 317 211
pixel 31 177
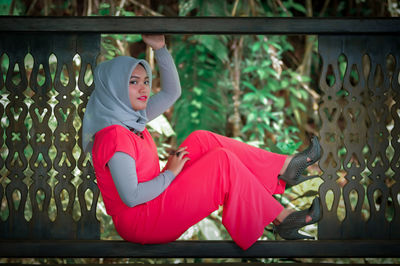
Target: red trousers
pixel 221 171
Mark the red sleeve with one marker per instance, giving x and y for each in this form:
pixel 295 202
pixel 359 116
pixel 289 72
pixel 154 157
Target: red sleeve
pixel 110 140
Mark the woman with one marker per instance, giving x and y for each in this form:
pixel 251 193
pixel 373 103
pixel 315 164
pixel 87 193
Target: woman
pixel 206 171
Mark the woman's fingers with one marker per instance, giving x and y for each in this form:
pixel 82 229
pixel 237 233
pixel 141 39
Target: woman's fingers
pixel 178 151
pixel 156 41
pixel 182 162
pixel 177 160
pixel 180 154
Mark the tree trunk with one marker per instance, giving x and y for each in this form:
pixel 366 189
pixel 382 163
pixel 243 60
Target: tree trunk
pixel 235 75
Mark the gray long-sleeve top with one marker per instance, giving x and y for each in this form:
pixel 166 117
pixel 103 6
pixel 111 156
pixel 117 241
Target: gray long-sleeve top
pixel 122 166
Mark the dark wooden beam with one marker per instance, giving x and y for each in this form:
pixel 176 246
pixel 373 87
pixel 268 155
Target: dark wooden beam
pixel 201 249
pixel 201 25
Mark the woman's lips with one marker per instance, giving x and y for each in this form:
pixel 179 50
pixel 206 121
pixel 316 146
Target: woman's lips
pixel 142 98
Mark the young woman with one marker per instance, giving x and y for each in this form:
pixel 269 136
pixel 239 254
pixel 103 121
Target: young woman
pixel 205 172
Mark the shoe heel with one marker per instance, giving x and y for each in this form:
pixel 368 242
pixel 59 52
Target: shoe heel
pixel 307 177
pixel 293 234
pixel 297 181
pixel 288 228
pixel 299 163
pixel 315 142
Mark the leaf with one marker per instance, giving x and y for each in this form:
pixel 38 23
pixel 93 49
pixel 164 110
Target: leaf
pixel 292 129
pixel 260 129
pixel 209 230
pixel 262 73
pixel 162 126
pixel 133 38
pixel 303 94
pixel 251 117
pixel 250 69
pixel 186 6
pixel 127 13
pixel 279 103
pixel 297 104
pixel 309 193
pixel 277 46
pixel 249 85
pixel 299 7
pixel 256 46
pixel 273 86
pixel 284 83
pixel 215 46
pixel 249 97
pixel 247 128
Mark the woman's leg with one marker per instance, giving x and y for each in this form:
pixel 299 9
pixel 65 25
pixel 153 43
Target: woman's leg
pixel 264 165
pixel 217 178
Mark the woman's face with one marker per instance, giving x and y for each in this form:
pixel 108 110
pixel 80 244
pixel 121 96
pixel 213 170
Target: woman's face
pixel 139 88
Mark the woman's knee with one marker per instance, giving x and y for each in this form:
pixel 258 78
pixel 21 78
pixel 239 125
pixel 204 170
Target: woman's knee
pixel 223 154
pixel 199 134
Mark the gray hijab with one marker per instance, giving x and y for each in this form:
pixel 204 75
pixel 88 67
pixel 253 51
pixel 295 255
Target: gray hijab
pixel 109 102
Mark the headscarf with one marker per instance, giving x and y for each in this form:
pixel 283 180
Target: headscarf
pixel 109 102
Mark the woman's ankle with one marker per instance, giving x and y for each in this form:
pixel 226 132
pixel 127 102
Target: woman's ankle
pixel 282 216
pixel 285 213
pixel 285 164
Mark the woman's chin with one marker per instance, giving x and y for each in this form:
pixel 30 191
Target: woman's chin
pixel 139 107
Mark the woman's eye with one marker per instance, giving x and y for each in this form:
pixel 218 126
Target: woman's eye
pixel 133 82
pixel 147 82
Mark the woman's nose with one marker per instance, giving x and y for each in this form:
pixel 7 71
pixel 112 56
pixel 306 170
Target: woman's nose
pixel 143 87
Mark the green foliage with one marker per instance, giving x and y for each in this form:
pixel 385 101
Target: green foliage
pixel 291 5
pixel 19 8
pixel 104 9
pixel 271 95
pixel 111 44
pixel 4 7
pixel 200 65
pixel 203 7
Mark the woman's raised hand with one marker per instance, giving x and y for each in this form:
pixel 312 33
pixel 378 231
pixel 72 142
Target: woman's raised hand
pixel 177 160
pixel 154 41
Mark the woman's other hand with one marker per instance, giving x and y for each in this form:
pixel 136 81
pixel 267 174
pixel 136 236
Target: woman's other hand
pixel 177 160
pixel 154 41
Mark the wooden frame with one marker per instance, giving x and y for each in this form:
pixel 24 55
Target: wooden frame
pixel 200 249
pixel 199 25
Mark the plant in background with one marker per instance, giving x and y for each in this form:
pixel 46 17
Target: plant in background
pixel 240 85
pixel 271 97
pixel 202 105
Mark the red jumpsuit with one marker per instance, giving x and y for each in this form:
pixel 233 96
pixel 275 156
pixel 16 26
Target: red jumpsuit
pixel 221 171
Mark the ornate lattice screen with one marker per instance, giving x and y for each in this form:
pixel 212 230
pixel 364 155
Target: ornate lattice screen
pixel 45 81
pixel 360 133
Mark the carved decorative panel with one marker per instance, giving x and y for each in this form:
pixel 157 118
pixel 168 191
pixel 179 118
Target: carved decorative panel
pixel 45 176
pixel 360 137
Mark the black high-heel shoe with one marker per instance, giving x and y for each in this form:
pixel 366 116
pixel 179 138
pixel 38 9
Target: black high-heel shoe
pixel 299 163
pixel 288 228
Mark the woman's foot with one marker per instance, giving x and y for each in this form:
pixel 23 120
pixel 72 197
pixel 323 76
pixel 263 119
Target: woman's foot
pixel 285 213
pixel 295 165
pixel 289 158
pixel 289 226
